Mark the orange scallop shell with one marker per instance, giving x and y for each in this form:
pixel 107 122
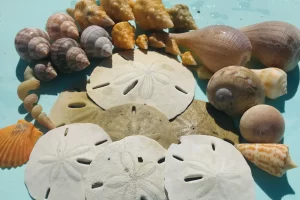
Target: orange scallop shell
pixel 16 143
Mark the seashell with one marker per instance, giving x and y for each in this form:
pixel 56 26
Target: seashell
pixel 216 46
pixel 29 101
pixel 272 158
pixel 16 143
pixel 274 81
pixel 67 56
pixel 151 14
pixel 123 35
pixel 118 10
pixel 172 47
pixel 188 59
pixel 203 73
pixel 262 124
pixel 26 86
pixel 142 41
pixel 182 18
pixel 44 71
pixel 275 44
pixel 36 111
pixel 87 13
pixel 44 120
pixel 131 3
pixel 234 90
pixel 32 44
pixel 60 25
pixel 157 40
pixel 28 73
pixel 96 43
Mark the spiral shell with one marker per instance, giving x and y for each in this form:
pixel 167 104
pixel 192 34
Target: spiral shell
pixel 67 55
pixel 118 10
pixel 61 25
pixel 32 44
pixel 142 41
pixel 151 14
pixel 234 90
pixel 44 71
pixel 188 59
pixel 123 35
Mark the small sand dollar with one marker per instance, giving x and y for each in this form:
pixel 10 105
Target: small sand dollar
pixel 131 169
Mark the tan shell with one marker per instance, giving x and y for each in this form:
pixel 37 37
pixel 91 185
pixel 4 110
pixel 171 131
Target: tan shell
pixel 203 119
pixel 118 10
pixel 217 46
pixel 26 86
pixel 188 59
pixel 61 25
pixel 142 41
pixel 151 14
pixel 272 158
pixel 203 73
pixel 275 43
pixel 29 102
pixel 234 90
pixel 182 18
pixel 123 35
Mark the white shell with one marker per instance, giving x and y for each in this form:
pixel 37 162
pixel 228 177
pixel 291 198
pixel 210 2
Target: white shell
pixel 152 79
pixel 130 169
pixel 55 162
pixel 207 168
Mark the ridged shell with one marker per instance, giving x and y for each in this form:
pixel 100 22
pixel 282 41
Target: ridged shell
pixel 44 71
pixel 151 14
pixel 182 18
pixel 234 90
pixel 16 143
pixel 123 35
pixel 142 41
pixel 67 56
pixel 118 10
pixel 275 44
pixel 217 46
pixel 32 44
pixel 272 158
pixel 95 42
pixel 61 25
pixel 188 59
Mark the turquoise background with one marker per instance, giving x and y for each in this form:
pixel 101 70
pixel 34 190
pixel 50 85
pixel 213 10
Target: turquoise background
pixel 15 15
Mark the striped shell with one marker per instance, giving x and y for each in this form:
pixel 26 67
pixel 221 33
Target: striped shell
pixel 118 10
pixel 142 41
pixel 32 44
pixel 67 55
pixel 61 25
pixel 16 143
pixel 182 17
pixel 123 35
pixel 44 71
pixel 95 42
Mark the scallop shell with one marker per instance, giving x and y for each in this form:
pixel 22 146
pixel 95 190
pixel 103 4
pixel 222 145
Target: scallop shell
pixel 67 56
pixel 151 14
pixel 16 143
pixel 275 43
pixel 234 90
pixel 61 25
pixel 142 41
pixel 217 46
pixel 274 81
pixel 118 10
pixel 44 71
pixel 188 59
pixel 32 44
pixel 123 35
pixel 272 158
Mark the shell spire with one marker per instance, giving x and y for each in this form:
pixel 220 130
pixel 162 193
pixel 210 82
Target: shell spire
pixel 118 10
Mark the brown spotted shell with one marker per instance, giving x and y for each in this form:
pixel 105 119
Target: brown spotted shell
pixel 182 17
pixel 118 10
pixel 123 35
pixel 142 41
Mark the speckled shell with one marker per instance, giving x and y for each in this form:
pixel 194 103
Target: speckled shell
pixel 95 42
pixel 67 56
pixel 118 10
pixel 182 18
pixel 234 90
pixel 151 14
pixel 44 71
pixel 32 44
pixel 61 25
pixel 275 44
pixel 123 35
pixel 188 59
pixel 217 46
pixel 142 41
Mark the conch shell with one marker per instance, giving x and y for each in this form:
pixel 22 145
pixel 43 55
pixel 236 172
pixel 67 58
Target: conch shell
pixel 272 158
pixel 274 81
pixel 275 44
pixel 87 13
pixel 16 143
pixel 118 10
pixel 217 46
pixel 151 14
pixel 123 35
pixel 142 41
pixel 188 59
pixel 61 25
pixel 32 44
pixel 234 90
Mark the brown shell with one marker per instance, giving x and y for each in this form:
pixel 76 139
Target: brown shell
pixel 172 47
pixel 118 10
pixel 158 40
pixel 142 41
pixel 188 59
pixel 182 18
pixel 123 35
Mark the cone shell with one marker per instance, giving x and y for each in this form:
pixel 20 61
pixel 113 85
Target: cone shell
pixel 123 35
pixel 275 43
pixel 118 10
pixel 272 158
pixel 217 46
pixel 274 81
pixel 188 59
pixel 151 14
pixel 16 143
pixel 44 71
pixel 142 41
pixel 32 44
